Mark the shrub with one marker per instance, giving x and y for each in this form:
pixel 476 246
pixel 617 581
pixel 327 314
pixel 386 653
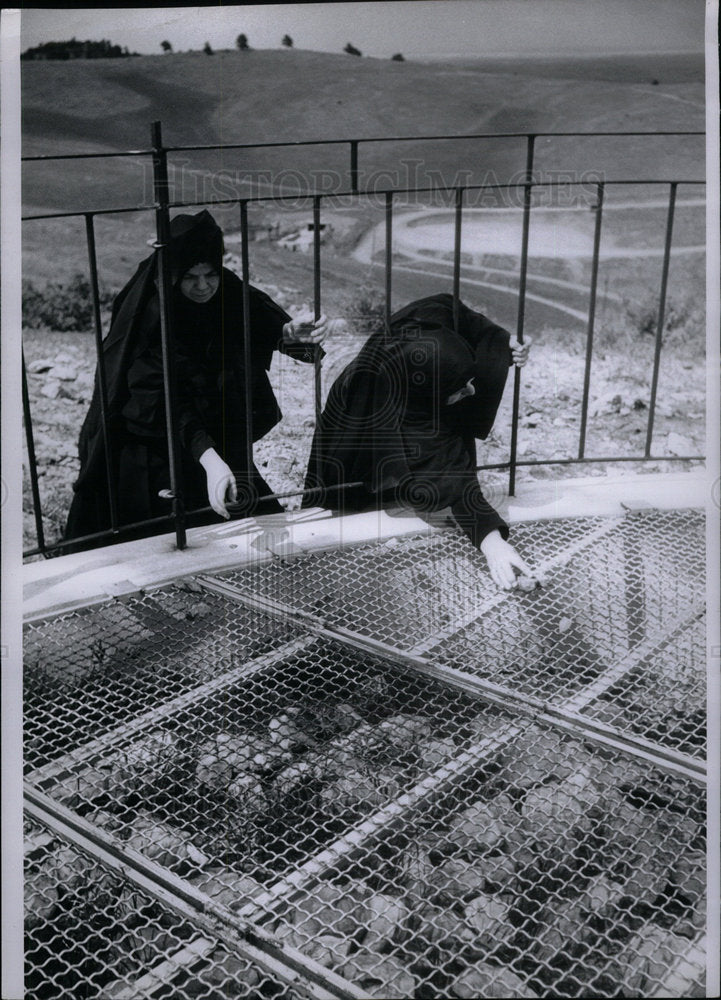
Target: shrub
pixel 367 310
pixel 62 306
pixel 679 317
pixel 684 326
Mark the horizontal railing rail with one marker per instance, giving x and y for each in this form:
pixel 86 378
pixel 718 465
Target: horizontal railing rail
pixel 379 192
pixel 359 140
pixel 457 196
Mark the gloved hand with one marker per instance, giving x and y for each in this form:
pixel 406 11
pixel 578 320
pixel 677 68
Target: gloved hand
pixel 501 558
pixel 221 481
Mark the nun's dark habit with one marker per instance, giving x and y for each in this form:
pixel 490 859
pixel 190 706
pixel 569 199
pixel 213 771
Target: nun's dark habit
pixel 386 423
pixel 209 364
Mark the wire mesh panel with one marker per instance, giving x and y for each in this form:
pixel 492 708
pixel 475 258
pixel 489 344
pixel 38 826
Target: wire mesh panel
pixel 91 670
pixel 616 627
pixel 413 840
pixel 238 788
pixel 547 869
pixel 402 591
pixel 91 932
pixel 382 818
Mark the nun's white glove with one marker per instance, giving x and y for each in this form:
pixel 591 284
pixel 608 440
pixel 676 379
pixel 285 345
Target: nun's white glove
pixel 501 558
pixel 221 481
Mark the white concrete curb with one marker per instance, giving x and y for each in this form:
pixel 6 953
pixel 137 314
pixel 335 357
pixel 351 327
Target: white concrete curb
pixel 69 581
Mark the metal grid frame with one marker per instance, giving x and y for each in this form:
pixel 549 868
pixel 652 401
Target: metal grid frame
pixel 373 818
pixel 615 633
pixel 152 648
pixel 95 928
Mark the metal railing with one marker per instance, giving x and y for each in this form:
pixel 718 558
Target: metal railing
pixel 459 194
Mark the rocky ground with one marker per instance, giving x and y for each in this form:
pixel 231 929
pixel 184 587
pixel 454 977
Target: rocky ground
pixel 60 380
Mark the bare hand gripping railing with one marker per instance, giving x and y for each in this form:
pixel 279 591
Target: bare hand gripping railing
pixel 161 206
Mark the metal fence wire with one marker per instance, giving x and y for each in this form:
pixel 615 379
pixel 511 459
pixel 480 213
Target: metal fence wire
pixel 92 932
pixel 232 788
pixel 616 631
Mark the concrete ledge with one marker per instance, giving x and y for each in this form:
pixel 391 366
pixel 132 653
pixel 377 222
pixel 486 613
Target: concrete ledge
pixel 55 585
pixel 609 496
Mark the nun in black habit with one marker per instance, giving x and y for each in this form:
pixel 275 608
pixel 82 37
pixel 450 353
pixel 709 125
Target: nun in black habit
pixel 403 417
pixel 207 323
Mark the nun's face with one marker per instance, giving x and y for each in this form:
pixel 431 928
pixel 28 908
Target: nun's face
pixel 200 283
pixel 468 390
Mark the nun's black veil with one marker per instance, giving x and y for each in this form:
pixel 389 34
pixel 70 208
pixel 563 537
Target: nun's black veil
pixel 385 423
pixel 133 372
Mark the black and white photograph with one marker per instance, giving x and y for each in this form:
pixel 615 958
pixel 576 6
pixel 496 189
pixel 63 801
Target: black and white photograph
pixel 360 500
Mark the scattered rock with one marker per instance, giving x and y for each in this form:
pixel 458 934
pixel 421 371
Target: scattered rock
pixel 43 440
pixel 66 373
pixel 280 463
pixel 40 366
pixel 677 444
pixel 50 389
pixel 609 402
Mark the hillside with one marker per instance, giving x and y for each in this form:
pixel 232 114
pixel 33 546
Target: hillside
pixel 271 96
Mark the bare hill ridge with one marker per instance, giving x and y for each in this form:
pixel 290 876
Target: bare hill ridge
pixel 269 95
pixel 106 105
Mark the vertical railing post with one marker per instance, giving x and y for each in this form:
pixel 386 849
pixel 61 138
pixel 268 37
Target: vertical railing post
pixel 527 189
pixel 316 303
pixel 354 166
pixel 389 258
pixel 598 209
pixel 661 315
pixel 162 224
pixel 102 384
pixel 457 257
pixel 32 461
pixel 247 356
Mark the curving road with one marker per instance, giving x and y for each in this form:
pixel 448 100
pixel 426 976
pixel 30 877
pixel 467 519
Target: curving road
pixel 420 236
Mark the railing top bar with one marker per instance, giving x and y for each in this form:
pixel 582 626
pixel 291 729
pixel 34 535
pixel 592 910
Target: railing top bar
pixel 86 156
pixel 90 212
pixel 418 138
pixel 375 192
pixel 359 139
